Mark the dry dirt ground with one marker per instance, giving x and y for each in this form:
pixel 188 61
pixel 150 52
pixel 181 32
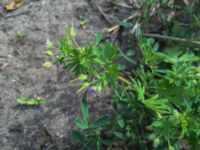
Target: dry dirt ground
pixel 48 126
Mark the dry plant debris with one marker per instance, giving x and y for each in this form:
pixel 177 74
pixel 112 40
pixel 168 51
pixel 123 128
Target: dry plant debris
pixel 13 5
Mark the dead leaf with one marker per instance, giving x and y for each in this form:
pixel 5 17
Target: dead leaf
pixel 13 5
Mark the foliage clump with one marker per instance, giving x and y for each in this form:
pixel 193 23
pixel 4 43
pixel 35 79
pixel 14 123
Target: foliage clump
pixel 157 106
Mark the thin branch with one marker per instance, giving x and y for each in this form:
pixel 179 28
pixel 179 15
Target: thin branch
pixel 116 27
pixel 174 39
pixel 127 58
pixel 122 5
pixel 102 13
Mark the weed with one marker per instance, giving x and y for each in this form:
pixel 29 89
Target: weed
pixel 156 106
pixel 47 64
pixel 49 44
pixel 48 53
pixel 84 22
pixel 20 34
pixel 30 102
pixel 94 136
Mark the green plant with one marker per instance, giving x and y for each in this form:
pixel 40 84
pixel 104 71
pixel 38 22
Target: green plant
pixel 84 22
pixel 30 102
pixel 47 64
pixel 93 138
pixel 156 106
pixel 49 44
pixel 49 53
pixel 93 61
pixel 20 34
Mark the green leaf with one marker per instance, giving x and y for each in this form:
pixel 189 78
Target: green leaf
pixel 30 102
pixel 72 32
pixel 98 38
pixel 119 135
pixel 140 89
pixel 21 100
pixel 49 44
pixel 20 34
pixel 150 41
pixel 156 47
pixel 120 121
pixel 106 142
pixel 83 77
pixel 85 110
pixel 171 147
pixel 159 106
pixel 126 24
pixel 48 53
pixel 47 64
pixel 99 145
pixel 130 53
pixel 83 87
pixel 121 67
pixel 81 124
pixel 156 142
pixel 99 122
pixel 157 124
pixel 78 136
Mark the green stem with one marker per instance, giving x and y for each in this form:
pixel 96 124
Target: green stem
pixel 127 58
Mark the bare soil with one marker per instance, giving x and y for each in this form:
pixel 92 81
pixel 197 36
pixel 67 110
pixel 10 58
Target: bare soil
pixel 47 126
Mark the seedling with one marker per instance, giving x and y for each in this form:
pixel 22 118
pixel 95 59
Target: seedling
pixel 47 64
pixel 48 53
pixel 84 22
pixel 20 34
pixel 49 44
pixel 30 102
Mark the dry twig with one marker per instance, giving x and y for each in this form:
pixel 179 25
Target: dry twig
pixel 122 5
pixel 116 27
pixel 174 39
pixel 94 4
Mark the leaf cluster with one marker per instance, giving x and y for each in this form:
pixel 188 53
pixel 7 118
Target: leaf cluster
pixel 157 106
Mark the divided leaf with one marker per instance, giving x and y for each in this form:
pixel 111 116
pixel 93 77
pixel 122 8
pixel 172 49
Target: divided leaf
pixel 99 122
pixel 81 124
